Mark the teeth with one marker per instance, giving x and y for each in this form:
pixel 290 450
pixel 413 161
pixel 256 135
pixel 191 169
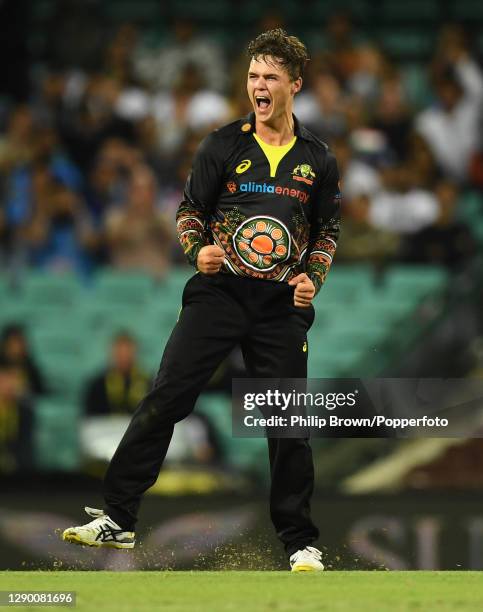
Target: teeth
pixel 261 99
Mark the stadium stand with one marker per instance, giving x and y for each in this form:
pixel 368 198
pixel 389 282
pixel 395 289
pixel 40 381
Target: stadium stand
pixel 71 325
pixel 94 87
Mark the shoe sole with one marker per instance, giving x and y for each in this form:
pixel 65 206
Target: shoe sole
pixel 73 538
pixel 306 568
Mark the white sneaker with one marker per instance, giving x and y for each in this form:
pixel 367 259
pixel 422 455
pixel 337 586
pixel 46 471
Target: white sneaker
pixel 102 531
pixel 306 560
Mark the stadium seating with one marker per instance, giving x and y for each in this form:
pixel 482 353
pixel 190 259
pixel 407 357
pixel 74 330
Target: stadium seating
pixel 141 11
pixel 470 210
pixel 404 29
pixel 404 44
pixel 360 9
pixel 208 11
pixel 46 293
pixel 56 434
pixel 415 11
pixel 415 80
pixel 124 286
pixel 466 10
pixel 243 453
pixel 361 317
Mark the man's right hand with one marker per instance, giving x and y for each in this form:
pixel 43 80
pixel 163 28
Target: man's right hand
pixel 210 259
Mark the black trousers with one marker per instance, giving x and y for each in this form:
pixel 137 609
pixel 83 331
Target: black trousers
pixel 219 312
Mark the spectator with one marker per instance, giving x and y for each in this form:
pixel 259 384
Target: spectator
pixel 369 70
pixel 116 391
pixel 94 120
pixel 60 234
pixel 357 176
pixel 16 144
pixel 360 241
pixel 16 423
pixel 118 388
pixel 16 147
pixel 160 68
pixel 138 235
pixel 15 354
pixel 187 105
pixel 447 242
pixel 109 177
pixel 119 53
pixel 400 206
pixel 392 117
pixel 133 101
pixel 323 108
pixel 421 163
pixel 342 41
pixel 452 127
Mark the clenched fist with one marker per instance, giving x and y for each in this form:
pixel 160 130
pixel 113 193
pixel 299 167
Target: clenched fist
pixel 210 259
pixel 304 290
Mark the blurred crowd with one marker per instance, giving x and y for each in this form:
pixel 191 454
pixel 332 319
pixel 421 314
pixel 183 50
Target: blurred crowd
pixel 107 401
pixel 93 159
pixel 95 152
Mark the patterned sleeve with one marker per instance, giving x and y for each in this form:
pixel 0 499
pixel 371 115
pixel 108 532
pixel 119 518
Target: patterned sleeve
pixel 325 225
pixel 200 196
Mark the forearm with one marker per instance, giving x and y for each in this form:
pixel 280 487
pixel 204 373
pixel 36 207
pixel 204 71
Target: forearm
pixel 470 77
pixel 190 226
pixel 322 252
pixel 200 195
pixel 325 226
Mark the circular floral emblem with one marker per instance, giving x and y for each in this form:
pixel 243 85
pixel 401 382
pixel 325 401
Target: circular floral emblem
pixel 262 242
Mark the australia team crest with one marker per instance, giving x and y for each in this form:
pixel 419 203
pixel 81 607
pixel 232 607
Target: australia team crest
pixel 303 173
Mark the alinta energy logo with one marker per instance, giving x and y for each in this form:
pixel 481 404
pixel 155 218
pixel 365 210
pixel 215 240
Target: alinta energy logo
pixel 252 187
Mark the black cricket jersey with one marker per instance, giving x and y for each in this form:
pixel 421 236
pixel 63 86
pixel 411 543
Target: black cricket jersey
pixel 275 211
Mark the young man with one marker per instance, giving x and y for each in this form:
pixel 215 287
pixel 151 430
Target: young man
pixel 260 221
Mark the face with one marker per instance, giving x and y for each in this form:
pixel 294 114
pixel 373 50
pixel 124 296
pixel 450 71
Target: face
pixel 270 89
pixel 15 347
pixel 123 354
pixel 449 94
pixel 142 190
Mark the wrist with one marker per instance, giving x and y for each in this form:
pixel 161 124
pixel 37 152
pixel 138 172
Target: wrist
pixel 193 253
pixel 317 281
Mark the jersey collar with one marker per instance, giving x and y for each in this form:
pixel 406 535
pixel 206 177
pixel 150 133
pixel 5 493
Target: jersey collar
pixel 247 126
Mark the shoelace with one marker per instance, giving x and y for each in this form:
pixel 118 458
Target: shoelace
pixel 94 512
pixel 100 519
pixel 314 552
pixel 96 524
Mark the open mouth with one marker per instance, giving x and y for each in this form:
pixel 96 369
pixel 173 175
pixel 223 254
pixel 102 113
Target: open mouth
pixel 263 102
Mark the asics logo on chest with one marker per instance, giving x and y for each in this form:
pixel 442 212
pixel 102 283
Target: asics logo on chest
pixel 243 166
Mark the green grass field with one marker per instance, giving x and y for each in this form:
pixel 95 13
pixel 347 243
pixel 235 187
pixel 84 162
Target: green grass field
pixel 256 591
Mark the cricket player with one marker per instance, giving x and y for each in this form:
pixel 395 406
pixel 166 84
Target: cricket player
pixel 259 221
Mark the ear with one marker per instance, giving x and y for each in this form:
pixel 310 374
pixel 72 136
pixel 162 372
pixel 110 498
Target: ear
pixel 296 86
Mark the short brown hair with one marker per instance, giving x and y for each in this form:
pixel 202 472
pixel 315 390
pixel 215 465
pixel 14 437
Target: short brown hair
pixel 288 50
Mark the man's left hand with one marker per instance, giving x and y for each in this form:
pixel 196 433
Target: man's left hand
pixel 304 290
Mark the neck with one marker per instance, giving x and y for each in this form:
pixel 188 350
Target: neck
pixel 279 131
